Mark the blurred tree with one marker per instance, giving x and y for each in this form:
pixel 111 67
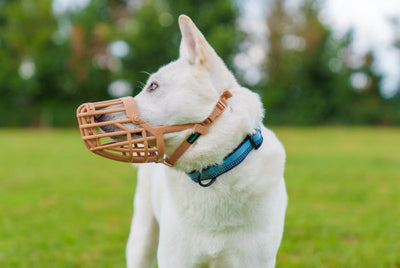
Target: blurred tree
pixel 310 72
pixel 368 103
pixel 306 77
pixel 155 35
pixel 90 62
pixel 27 56
pixel 392 111
pixel 51 62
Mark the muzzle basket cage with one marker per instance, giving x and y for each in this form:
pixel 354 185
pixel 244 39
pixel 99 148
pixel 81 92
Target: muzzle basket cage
pixel 114 129
pixel 123 144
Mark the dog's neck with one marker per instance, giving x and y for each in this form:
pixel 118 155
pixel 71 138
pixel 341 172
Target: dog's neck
pixel 243 114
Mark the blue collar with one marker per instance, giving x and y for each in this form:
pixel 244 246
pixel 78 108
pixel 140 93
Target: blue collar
pixel 236 157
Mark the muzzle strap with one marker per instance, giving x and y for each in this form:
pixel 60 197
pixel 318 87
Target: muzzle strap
pixel 199 129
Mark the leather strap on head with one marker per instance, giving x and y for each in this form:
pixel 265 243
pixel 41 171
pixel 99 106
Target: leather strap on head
pixel 199 129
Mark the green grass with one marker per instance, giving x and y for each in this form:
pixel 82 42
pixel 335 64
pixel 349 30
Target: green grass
pixel 344 198
pixel 61 206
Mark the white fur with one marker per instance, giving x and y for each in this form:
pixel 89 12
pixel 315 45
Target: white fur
pixel 236 222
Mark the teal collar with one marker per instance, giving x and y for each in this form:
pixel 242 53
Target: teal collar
pixel 236 157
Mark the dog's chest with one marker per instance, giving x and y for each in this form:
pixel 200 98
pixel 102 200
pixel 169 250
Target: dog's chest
pixel 214 208
pixel 210 225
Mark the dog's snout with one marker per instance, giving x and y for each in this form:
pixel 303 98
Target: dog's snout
pixel 98 117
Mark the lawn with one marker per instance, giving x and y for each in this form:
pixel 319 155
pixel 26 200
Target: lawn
pixel 61 206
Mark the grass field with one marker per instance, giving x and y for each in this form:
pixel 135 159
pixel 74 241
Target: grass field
pixel 61 206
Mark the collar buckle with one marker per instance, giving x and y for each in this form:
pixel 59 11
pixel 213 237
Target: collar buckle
pixel 256 143
pixel 210 173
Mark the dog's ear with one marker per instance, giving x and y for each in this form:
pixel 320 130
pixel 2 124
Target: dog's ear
pixel 197 51
pixel 193 44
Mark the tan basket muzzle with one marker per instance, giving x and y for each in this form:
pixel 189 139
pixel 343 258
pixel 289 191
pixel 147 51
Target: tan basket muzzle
pixel 114 129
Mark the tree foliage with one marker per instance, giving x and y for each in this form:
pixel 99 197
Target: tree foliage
pixel 50 61
pixel 155 36
pixel 311 77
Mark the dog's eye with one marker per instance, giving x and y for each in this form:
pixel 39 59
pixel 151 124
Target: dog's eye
pixel 152 86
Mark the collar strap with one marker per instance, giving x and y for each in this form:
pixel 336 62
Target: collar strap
pixel 199 129
pixel 236 157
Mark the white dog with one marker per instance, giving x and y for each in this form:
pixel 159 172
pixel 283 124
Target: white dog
pixel 238 220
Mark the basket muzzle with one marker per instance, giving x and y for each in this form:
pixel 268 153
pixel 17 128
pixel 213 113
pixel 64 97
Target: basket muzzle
pixel 114 129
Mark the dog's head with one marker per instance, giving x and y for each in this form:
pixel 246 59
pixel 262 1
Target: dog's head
pixel 185 90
